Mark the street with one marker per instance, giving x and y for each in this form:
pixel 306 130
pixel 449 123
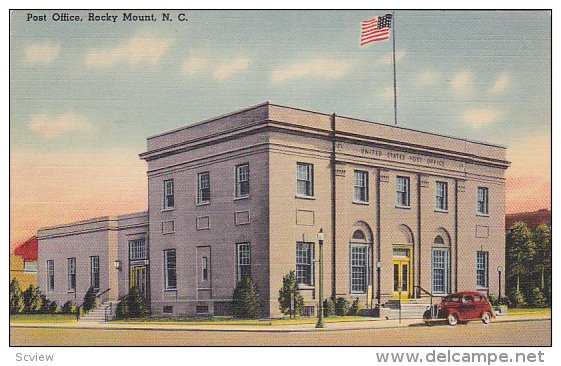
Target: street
pixel 521 333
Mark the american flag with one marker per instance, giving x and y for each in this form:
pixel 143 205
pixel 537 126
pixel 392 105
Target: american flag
pixel 376 29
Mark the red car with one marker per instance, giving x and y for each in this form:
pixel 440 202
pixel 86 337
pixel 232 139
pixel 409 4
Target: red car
pixel 460 308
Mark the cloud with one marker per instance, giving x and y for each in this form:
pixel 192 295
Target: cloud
pixel 134 52
pixel 462 82
pixel 320 68
pixel 428 77
pixel 478 117
pixel 194 64
pixel 501 84
pixel 229 69
pixel 387 60
pixel 41 53
pixel 49 127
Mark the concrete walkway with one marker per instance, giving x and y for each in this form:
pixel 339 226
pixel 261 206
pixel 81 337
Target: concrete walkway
pixel 371 323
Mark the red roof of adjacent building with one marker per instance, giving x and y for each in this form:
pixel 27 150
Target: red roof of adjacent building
pixel 28 250
pixel 532 219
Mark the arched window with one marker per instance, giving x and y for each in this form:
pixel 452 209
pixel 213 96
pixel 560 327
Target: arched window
pixel 439 240
pixel 359 235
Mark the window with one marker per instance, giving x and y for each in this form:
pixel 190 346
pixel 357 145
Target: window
pixel 94 272
pixel 244 260
pixel 305 179
pixel 442 196
pixel 361 186
pixel 30 267
pixel 50 275
pixel 242 180
pixel 440 271
pixel 483 200
pixel 71 274
pixel 205 269
pixel 203 188
pixel 304 263
pixel 170 279
pixel 168 194
pixel 167 309
pixel 137 249
pixel 359 268
pixel 483 269
pixel 403 191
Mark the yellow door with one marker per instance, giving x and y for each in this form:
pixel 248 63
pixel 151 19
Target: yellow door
pixel 138 278
pixel 401 278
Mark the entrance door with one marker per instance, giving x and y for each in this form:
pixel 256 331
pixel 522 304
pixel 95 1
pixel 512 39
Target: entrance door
pixel 138 278
pixel 401 273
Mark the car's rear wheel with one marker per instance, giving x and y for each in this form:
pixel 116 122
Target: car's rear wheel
pixel 486 318
pixel 452 319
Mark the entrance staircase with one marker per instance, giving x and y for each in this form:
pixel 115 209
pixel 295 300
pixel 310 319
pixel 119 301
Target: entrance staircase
pixel 410 308
pixel 104 312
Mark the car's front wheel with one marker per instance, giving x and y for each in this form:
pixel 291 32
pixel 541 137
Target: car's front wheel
pixel 486 318
pixel 452 319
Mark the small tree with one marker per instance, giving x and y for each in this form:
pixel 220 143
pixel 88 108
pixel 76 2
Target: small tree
pixel 136 304
pixel 17 304
pixel 246 300
pixel 518 299
pixel 353 311
pixel 53 307
pixel 328 308
pixel 341 306
pixel 45 305
pixel 91 300
pixel 538 299
pixel 122 310
pixel 291 301
pixel 68 308
pixel 32 300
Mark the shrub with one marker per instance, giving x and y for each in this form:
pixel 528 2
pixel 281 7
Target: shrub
pixel 17 304
pixel 518 299
pixel 353 311
pixel 45 305
pixel 341 306
pixel 328 308
pixel 69 308
pixel 291 301
pixel 122 309
pixel 133 306
pixel 32 300
pixel 91 301
pixel 53 308
pixel 537 298
pixel 246 300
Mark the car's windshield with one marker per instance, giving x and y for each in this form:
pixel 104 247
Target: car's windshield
pixel 452 298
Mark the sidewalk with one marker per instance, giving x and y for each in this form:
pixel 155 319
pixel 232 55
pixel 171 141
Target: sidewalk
pixel 371 323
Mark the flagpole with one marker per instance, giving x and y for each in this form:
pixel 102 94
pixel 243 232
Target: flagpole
pixel 394 79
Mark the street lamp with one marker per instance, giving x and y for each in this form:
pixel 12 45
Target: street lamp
pixel 499 270
pixel 117 265
pixel 321 238
pixel 378 270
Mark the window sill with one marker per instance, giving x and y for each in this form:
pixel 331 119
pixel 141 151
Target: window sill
pixel 403 207
pixel 482 215
pixel 169 233
pixel 168 209
pixel 241 198
pixel 202 204
pixel 440 210
pixel 71 291
pixel 358 293
pixel 306 287
pixel 204 288
pixel 364 203
pixel 170 290
pixel 302 197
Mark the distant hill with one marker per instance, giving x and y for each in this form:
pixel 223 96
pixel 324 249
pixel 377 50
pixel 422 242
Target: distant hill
pixel 532 219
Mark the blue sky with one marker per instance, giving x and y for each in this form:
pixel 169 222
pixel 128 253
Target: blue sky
pixel 81 90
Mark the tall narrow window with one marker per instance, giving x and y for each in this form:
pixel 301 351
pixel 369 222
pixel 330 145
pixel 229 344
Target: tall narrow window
pixel 442 196
pixel 170 279
pixel 50 275
pixel 94 272
pixel 304 263
pixel 305 179
pixel 137 249
pixel 71 274
pixel 361 186
pixel 168 194
pixel 402 191
pixel 242 180
pixel 483 269
pixel 483 200
pixel 440 272
pixel 359 268
pixel 244 260
pixel 205 269
pixel 203 187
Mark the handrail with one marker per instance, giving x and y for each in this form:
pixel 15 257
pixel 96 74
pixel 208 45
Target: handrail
pixel 102 293
pixel 433 311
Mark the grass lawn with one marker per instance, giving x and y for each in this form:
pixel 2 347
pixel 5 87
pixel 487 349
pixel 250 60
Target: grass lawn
pixel 42 318
pixel 529 311
pixel 230 321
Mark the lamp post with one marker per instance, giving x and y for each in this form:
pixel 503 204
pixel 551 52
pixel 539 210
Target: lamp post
pixel 378 271
pixel 117 265
pixel 500 270
pixel 321 238
pixel 399 291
